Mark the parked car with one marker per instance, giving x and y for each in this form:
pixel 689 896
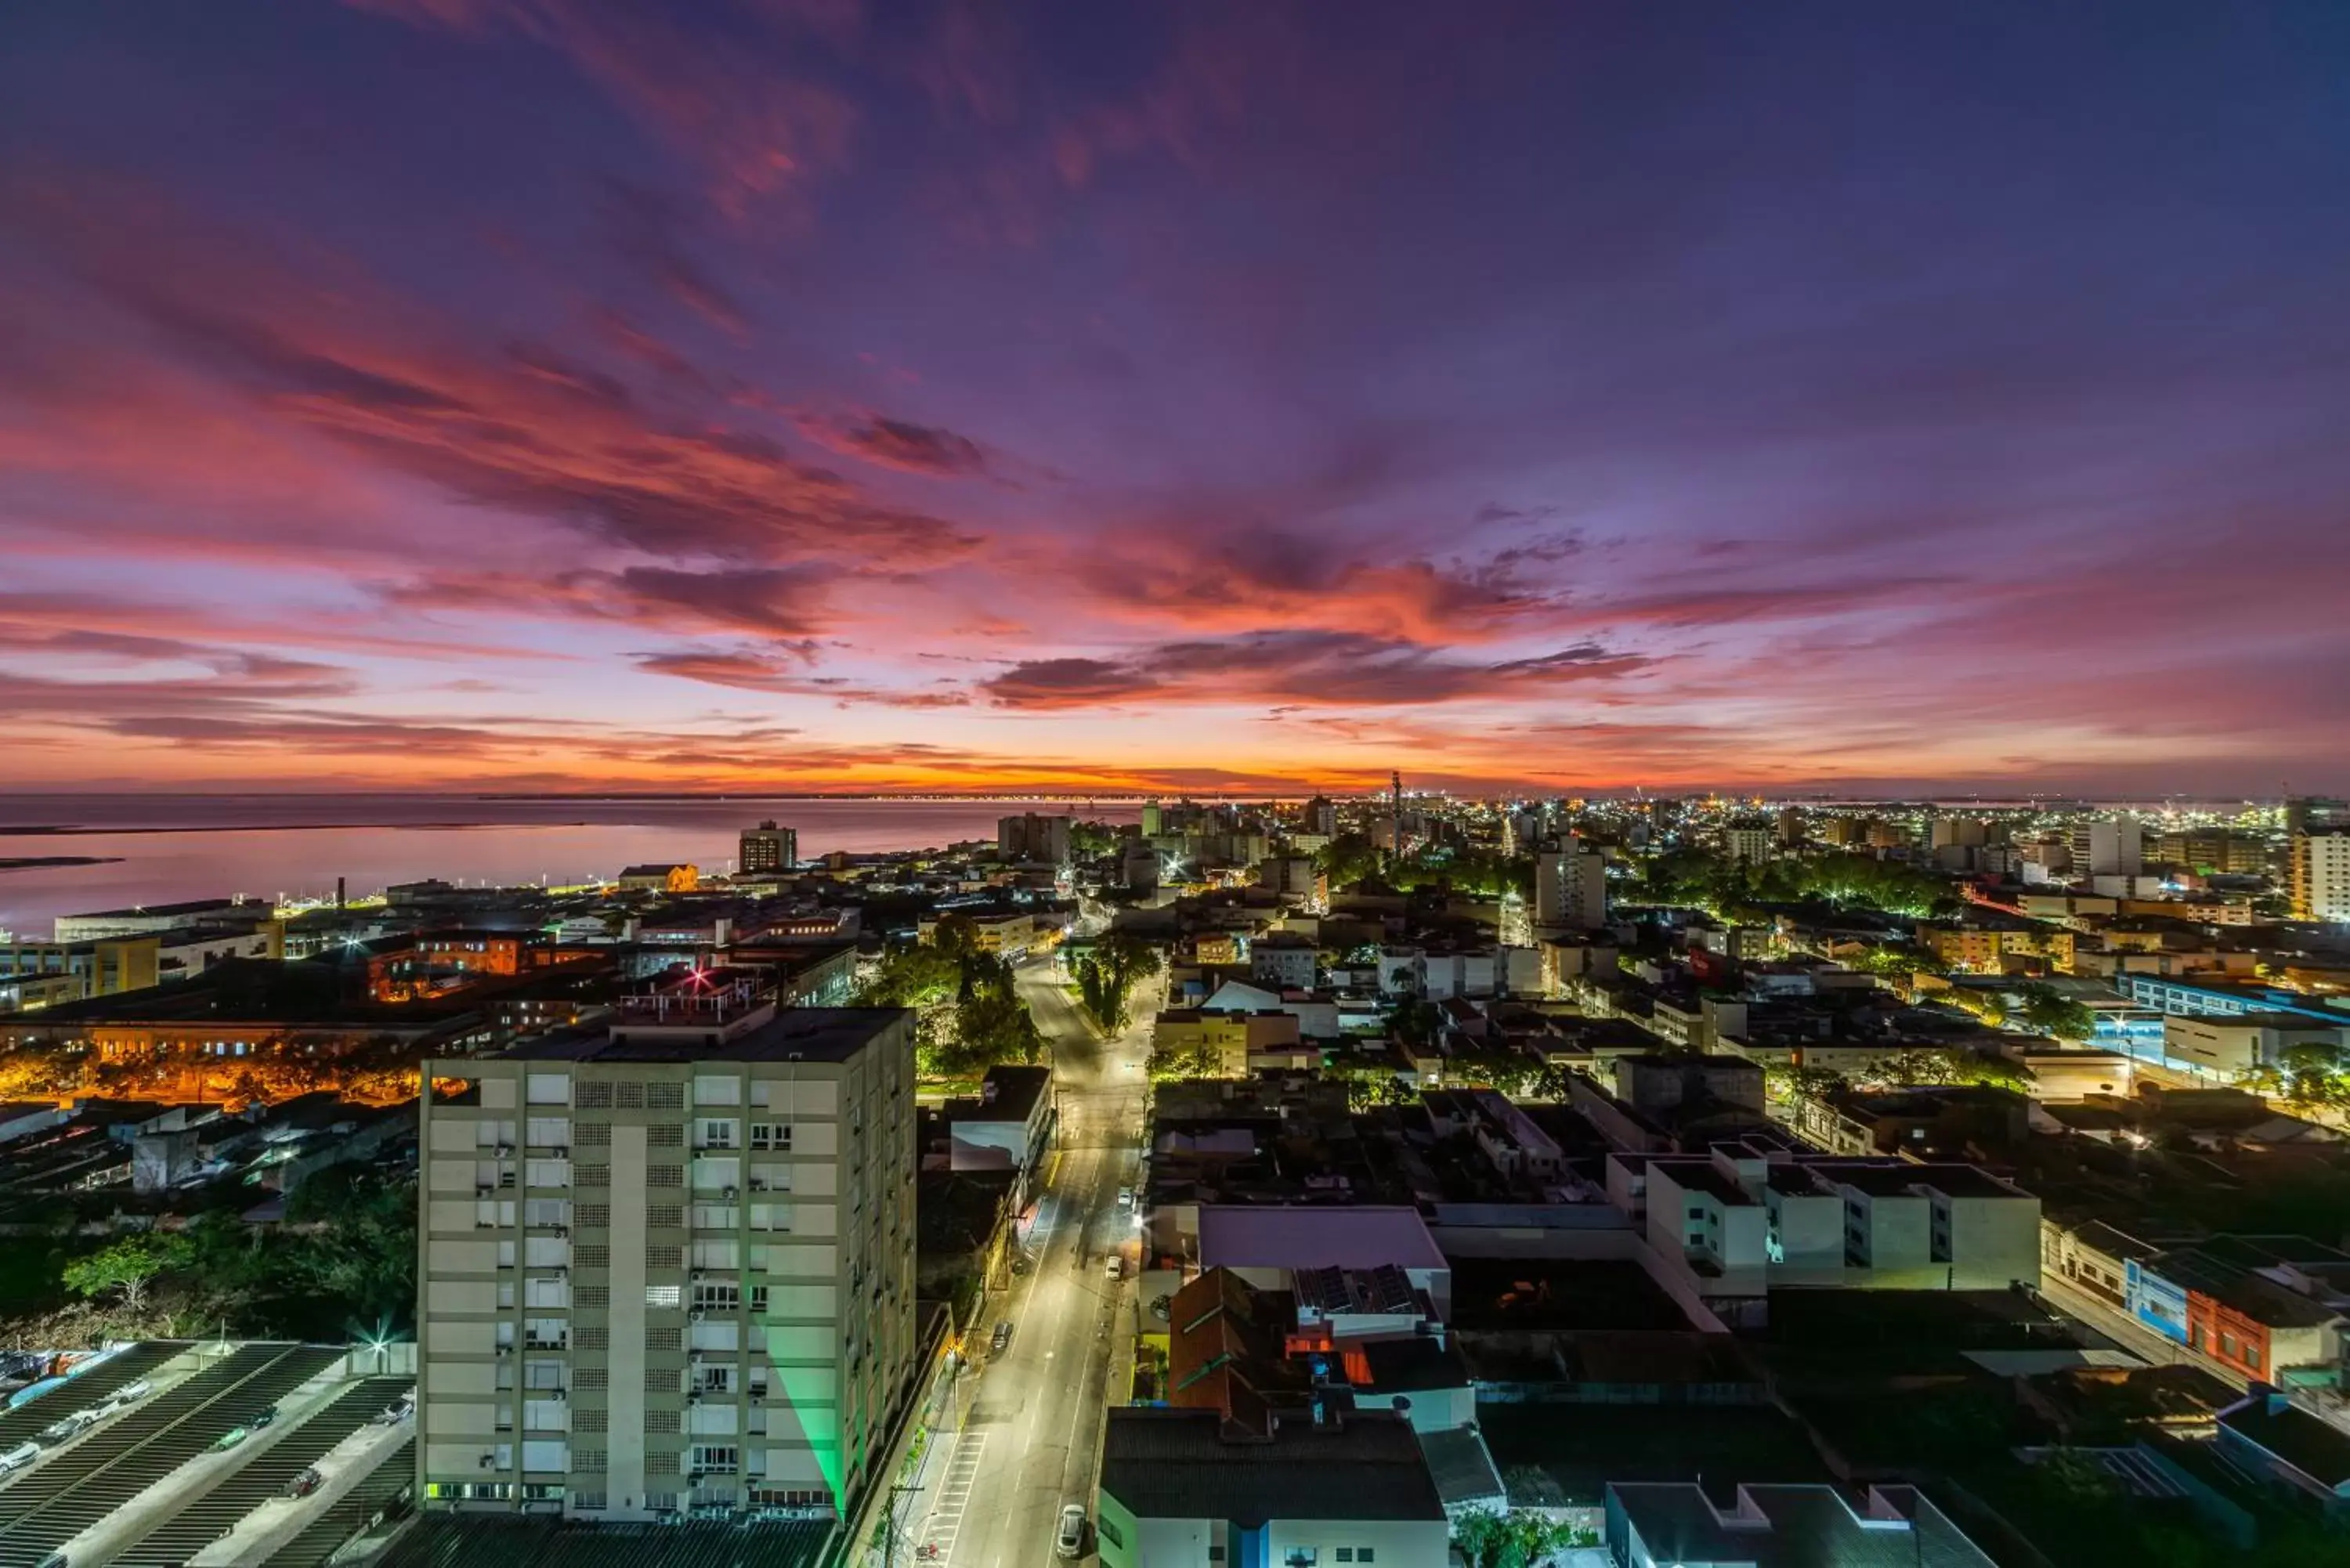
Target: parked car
pixel 1117 1266
pixel 231 1437
pixel 393 1413
pixel 131 1392
pixel 1126 1198
pixel 17 1457
pixel 1002 1338
pixel 308 1481
pixel 262 1418
pixel 1070 1538
pixel 66 1428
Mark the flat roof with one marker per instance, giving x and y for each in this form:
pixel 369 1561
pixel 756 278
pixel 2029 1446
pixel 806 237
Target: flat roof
pixel 1796 1525
pixel 1018 1090
pixel 1317 1236
pixel 2306 1442
pixel 792 1034
pixel 1173 1464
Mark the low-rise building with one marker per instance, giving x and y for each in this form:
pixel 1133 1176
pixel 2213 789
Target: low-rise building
pixel 1228 1044
pixel 1653 1524
pixel 1178 1491
pixel 676 878
pixel 2270 1437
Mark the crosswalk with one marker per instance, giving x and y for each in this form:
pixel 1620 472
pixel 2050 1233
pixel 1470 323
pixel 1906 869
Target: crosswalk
pixel 945 1522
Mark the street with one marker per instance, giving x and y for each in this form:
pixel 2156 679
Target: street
pixel 1030 1440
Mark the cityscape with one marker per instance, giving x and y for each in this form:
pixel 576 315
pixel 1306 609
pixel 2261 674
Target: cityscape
pixel 966 784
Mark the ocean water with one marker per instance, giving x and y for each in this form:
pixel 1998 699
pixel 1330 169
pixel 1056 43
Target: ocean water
pixel 157 850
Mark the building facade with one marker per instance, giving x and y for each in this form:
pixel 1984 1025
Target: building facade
pixel 767 847
pixel 669 1266
pixel 1570 890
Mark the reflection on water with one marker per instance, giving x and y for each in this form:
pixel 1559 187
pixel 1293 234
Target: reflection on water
pixel 271 847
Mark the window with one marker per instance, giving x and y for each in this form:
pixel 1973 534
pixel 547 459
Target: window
pixel 660 1465
pixel 592 1176
pixel 584 1420
pixel 1215 1553
pixel 596 1215
pixel 665 1096
pixel 590 1378
pixel 592 1257
pixel 665 1135
pixel 628 1097
pixel 663 1421
pixel 717 1298
pixel 664 1255
pixel 717 1134
pixel 1345 1554
pixel 592 1135
pixel 1299 1557
pixel 664 1216
pixel 716 1380
pixel 587 1459
pixel 664 1295
pixel 548 1132
pixel 1109 1533
pixel 664 1176
pixel 1363 1554
pixel 716 1459
pixel 669 1338
pixel 588 1501
pixel 758 1298
pixel 660 1380
pixel 591 1338
pixel 771 1134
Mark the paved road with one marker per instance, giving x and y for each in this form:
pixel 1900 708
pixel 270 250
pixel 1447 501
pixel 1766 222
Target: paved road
pixel 1031 1442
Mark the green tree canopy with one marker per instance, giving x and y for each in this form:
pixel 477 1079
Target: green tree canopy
pixel 126 1268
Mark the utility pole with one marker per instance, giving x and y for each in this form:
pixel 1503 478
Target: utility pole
pixel 1395 817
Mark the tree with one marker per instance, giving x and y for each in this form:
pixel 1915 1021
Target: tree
pixel 1109 972
pixel 1347 860
pixel 1518 1539
pixel 126 1268
pixel 2051 1014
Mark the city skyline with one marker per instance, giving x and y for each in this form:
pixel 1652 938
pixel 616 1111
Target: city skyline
pixel 538 395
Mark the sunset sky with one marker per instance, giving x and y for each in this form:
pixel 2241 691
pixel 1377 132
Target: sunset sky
pixel 550 394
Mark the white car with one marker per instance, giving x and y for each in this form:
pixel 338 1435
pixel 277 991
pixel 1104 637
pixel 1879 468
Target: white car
pixel 17 1457
pixel 1070 1538
pixel 1126 1198
pixel 1116 1267
pixel 138 1388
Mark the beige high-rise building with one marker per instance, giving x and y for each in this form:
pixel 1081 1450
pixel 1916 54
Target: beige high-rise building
pixel 2321 874
pixel 1570 889
pixel 669 1265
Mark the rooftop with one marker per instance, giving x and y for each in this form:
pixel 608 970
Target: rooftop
pixel 1773 1525
pixel 1170 1464
pixel 2306 1442
pixel 795 1035
pixel 1315 1237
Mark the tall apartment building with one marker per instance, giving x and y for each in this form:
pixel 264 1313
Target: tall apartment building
pixel 2321 874
pixel 1570 888
pixel 1321 816
pixel 2114 848
pixel 1747 842
pixel 1031 839
pixel 767 847
pixel 669 1265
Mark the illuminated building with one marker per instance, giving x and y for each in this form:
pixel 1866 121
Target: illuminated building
pixel 767 847
pixel 1570 889
pixel 669 1266
pixel 2321 874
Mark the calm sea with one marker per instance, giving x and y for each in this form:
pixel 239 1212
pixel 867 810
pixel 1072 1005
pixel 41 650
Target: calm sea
pixel 159 849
